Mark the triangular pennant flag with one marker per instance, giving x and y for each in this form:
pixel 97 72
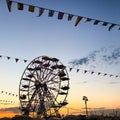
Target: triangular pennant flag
pixel 41 11
pixel 92 72
pixel 111 75
pixel 78 70
pixel 60 15
pixel 20 6
pixel 8 57
pixel 104 74
pixel 99 73
pixel 85 71
pixel 9 4
pixel 70 69
pixel 31 8
pixel 70 16
pixel 79 18
pixel 116 76
pixel 25 61
pixel 96 22
pixel 88 19
pixel 111 26
pixel 51 13
pixel 16 59
pixel 105 24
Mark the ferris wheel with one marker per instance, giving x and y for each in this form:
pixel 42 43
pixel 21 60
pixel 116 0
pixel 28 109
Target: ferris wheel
pixel 43 87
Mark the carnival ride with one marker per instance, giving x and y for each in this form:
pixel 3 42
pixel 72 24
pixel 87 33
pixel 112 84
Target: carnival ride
pixel 43 87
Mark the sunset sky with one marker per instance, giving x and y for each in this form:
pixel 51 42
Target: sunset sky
pixel 85 47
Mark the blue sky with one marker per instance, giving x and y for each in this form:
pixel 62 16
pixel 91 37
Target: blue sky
pixel 25 36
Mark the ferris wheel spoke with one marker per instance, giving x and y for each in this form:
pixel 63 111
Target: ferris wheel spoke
pixel 52 88
pixel 50 97
pixel 47 76
pixel 51 79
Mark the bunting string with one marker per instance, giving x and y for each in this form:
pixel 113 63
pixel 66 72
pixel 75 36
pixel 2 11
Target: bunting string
pixel 31 8
pixel 93 72
pixel 16 59
pixel 6 102
pixel 8 93
pixel 70 68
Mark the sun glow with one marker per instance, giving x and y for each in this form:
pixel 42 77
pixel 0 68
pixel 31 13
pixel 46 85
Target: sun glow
pixel 9 114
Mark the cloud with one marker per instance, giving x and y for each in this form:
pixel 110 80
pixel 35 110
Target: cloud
pixel 113 83
pixel 85 81
pixel 106 56
pixel 81 61
pixel 113 57
pixel 14 110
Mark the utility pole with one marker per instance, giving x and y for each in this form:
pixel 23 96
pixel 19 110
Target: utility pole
pixel 86 99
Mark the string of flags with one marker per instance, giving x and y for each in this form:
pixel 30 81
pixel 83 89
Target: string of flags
pixel 16 59
pixel 31 8
pixel 8 93
pixel 6 102
pixel 70 68
pixel 93 72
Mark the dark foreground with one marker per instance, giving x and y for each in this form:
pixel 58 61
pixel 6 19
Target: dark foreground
pixel 69 117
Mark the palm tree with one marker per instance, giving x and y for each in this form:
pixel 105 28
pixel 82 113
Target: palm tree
pixel 86 99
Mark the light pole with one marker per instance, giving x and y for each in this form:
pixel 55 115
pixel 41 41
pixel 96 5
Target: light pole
pixel 86 99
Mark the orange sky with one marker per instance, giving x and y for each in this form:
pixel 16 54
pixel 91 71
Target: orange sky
pixel 6 114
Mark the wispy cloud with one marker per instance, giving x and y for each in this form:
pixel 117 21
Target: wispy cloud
pixel 113 83
pixel 15 110
pixel 106 56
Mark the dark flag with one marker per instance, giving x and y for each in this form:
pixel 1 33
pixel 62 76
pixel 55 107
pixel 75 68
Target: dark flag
pixel 16 59
pixel 70 16
pixel 99 73
pixel 70 69
pixel 88 19
pixel 79 18
pixel 96 22
pixel 104 74
pixel 31 8
pixel 78 70
pixel 9 4
pixel 111 26
pixel 105 24
pixel 85 71
pixel 41 11
pixel 51 13
pixel 8 57
pixel 92 72
pixel 25 61
pixel 60 15
pixel 20 6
